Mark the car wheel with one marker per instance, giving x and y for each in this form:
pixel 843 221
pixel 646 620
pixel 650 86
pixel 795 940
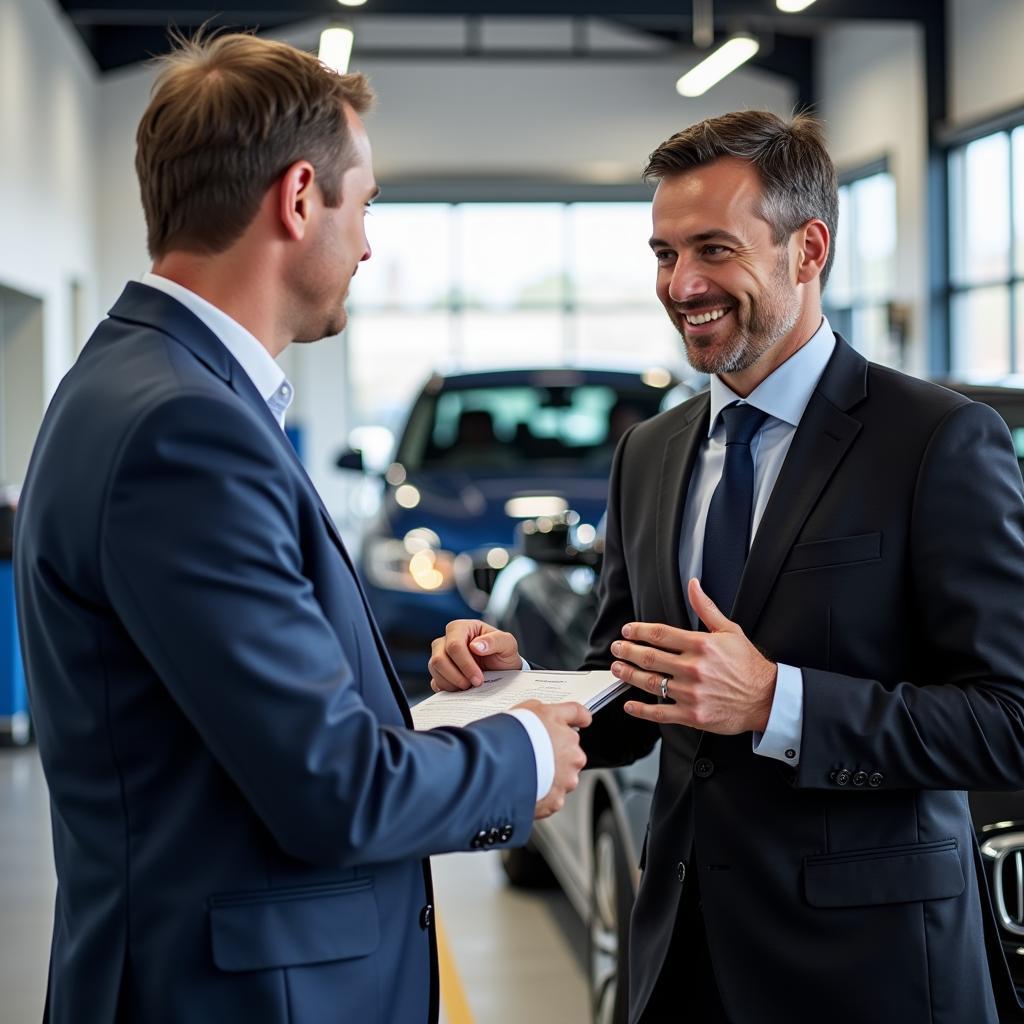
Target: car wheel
pixel 611 900
pixel 525 868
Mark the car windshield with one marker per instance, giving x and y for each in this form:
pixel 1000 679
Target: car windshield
pixel 522 425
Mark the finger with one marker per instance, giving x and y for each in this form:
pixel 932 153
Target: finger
pixel 641 679
pixel 448 675
pixel 657 634
pixel 662 714
pixel 495 642
pixel 706 610
pixel 573 714
pixel 457 639
pixel 649 659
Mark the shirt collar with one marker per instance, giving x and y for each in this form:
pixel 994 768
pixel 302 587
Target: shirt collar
pixel 267 377
pixel 785 392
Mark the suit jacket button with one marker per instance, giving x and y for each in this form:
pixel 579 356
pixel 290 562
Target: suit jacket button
pixel 506 833
pixel 479 840
pixel 426 917
pixel 704 767
pixel 681 871
pixel 875 779
pixel 842 777
pixel 493 835
pixel 859 778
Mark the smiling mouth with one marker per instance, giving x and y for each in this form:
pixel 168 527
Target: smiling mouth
pixel 704 316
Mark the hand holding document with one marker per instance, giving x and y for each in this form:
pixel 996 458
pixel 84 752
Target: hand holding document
pixel 502 691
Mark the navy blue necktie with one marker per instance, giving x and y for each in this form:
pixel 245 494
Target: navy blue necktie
pixel 727 531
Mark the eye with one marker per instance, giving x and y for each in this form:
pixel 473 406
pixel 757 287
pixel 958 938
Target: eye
pixel 664 256
pixel 715 250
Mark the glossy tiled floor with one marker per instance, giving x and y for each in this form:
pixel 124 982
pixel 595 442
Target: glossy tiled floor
pixel 516 956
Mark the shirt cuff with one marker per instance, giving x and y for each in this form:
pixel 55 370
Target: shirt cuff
pixel 543 751
pixel 526 664
pixel 781 737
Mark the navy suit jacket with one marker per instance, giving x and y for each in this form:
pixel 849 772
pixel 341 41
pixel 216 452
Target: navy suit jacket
pixel 240 810
pixel 888 566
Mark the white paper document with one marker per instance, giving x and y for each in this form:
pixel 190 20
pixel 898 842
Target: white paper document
pixel 502 691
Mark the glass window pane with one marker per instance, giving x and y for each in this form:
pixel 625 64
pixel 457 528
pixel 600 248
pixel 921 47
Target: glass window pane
pixel 871 335
pixel 410 266
pixel 980 205
pixel 511 255
pixel 1018 342
pixel 981 332
pixel 1018 200
pixel 631 339
pixel 875 242
pixel 390 356
pixel 489 340
pixel 610 259
pixel 839 290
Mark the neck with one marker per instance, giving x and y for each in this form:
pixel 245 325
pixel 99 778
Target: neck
pixel 241 286
pixel 743 382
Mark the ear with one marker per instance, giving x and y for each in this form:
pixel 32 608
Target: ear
pixel 813 243
pixel 295 198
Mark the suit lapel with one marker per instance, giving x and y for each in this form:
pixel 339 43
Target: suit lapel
pixel 822 439
pixel 155 309
pixel 678 460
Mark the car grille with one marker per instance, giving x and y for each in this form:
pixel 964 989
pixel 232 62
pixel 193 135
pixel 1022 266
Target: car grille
pixel 1005 855
pixel 1009 888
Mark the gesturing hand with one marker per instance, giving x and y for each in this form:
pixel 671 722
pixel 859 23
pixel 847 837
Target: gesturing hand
pixel 469 646
pixel 719 681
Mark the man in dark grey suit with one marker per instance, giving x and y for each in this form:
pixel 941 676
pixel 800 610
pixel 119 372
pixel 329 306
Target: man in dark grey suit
pixel 814 577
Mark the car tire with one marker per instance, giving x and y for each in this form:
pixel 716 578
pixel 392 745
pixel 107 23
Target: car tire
pixel 525 868
pixel 611 901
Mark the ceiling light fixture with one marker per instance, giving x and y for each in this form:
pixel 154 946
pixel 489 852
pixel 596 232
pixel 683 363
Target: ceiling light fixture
pixel 359 3
pixel 793 6
pixel 712 69
pixel 336 48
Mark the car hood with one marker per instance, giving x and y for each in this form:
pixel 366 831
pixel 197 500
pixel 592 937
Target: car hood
pixel 468 510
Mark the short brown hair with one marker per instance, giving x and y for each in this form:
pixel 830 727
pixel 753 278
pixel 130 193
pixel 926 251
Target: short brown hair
pixel 798 178
pixel 228 114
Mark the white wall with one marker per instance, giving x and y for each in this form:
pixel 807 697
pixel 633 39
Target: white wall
pixel 986 73
pixel 47 210
pixel 871 89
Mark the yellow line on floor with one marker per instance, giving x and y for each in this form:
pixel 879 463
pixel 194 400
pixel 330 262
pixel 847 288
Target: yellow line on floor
pixel 453 995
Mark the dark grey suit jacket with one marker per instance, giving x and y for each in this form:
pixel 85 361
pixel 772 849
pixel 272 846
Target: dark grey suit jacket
pixel 889 567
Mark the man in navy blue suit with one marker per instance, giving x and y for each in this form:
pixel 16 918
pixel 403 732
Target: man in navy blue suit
pixel 241 811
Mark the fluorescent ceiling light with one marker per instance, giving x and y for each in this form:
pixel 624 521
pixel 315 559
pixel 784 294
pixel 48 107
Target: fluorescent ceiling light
pixel 793 6
pixel 336 48
pixel 535 505
pixel 359 3
pixel 713 68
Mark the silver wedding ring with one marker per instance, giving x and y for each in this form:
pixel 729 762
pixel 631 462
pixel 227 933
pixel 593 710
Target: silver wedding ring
pixel 664 687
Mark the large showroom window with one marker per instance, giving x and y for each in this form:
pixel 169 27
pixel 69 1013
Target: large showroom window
pixel 459 286
pixel 858 296
pixel 986 214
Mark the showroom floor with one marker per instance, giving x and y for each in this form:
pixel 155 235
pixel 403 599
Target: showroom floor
pixel 512 956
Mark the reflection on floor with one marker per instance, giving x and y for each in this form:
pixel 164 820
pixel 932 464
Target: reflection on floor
pixel 517 956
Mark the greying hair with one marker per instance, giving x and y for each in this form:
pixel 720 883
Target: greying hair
pixel 798 178
pixel 228 115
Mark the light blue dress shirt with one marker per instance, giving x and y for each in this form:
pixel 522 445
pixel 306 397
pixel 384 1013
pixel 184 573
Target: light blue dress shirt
pixel 783 395
pixel 276 390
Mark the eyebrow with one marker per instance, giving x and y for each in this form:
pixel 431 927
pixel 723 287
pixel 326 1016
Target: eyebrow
pixel 703 236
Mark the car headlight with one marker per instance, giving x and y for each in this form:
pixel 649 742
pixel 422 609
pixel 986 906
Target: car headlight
pixel 412 564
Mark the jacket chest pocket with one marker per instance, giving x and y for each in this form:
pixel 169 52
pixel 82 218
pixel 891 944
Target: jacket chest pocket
pixel 836 552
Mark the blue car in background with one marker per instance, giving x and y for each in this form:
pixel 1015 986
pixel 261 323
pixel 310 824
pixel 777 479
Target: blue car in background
pixel 480 453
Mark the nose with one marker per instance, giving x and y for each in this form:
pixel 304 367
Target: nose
pixel 687 281
pixel 367 251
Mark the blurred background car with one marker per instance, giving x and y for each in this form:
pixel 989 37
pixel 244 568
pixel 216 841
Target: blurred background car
pixel 479 453
pixel 546 598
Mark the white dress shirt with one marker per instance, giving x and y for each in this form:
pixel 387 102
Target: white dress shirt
pixel 276 390
pixel 783 395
